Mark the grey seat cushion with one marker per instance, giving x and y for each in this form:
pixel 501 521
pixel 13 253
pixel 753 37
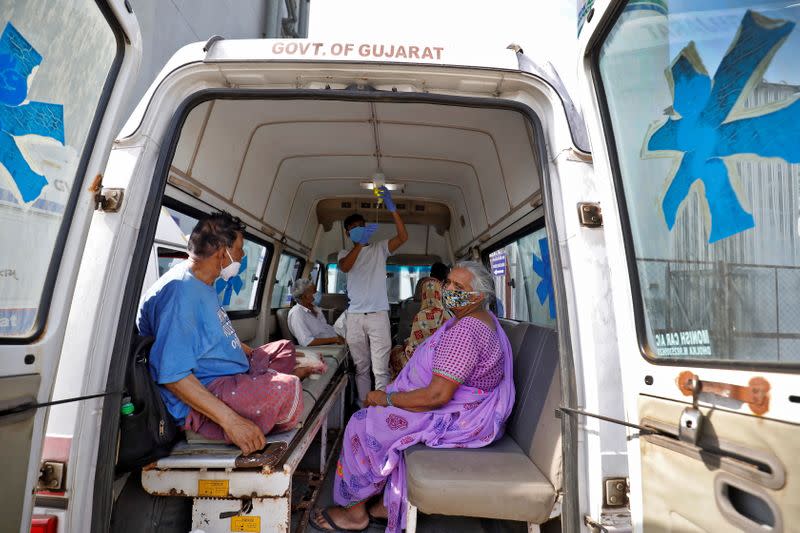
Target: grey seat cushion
pixel 282 315
pixel 498 481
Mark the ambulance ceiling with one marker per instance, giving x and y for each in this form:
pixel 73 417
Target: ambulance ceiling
pixel 275 159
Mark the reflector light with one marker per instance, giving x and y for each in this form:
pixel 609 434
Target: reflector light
pixel 44 524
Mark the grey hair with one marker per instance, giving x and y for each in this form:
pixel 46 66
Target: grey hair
pixel 300 286
pixel 482 280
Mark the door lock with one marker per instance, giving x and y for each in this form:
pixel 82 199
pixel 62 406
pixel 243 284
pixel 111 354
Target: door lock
pixel 691 422
pixel 690 426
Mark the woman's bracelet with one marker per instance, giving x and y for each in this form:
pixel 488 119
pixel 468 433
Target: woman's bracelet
pixel 389 399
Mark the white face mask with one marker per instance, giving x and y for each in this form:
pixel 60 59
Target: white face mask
pixel 231 270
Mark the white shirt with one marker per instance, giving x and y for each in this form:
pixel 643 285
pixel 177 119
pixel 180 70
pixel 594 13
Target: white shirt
pixel 366 281
pixel 307 326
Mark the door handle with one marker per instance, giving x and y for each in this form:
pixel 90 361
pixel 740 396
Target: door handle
pixel 755 394
pixel 746 505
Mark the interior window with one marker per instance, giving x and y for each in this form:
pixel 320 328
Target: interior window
pixel 168 258
pixel 402 280
pixel 317 278
pixel 239 295
pixel 523 280
pixel 289 268
pixel 241 292
pixel 701 97
pixel 55 68
pixel 337 280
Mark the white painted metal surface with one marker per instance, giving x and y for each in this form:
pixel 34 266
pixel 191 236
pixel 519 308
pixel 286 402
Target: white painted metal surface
pixel 269 515
pixel 242 483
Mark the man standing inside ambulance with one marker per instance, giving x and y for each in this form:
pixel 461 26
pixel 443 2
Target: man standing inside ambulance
pixel 367 322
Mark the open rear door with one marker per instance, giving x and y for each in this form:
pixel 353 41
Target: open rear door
pixel 60 68
pixel 695 125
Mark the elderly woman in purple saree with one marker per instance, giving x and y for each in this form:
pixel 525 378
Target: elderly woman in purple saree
pixel 456 392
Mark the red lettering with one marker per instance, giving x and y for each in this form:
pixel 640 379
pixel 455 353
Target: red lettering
pixel 336 49
pixel 390 52
pixel 401 52
pixel 363 50
pixel 413 52
pixel 377 52
pixel 277 48
pixel 348 48
pixel 439 50
pixel 304 48
pixel 427 54
pixel 291 48
pixel 317 46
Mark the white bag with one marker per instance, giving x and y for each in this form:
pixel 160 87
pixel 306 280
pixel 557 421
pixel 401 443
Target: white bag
pixel 340 326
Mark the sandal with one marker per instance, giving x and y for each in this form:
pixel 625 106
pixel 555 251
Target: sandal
pixel 324 512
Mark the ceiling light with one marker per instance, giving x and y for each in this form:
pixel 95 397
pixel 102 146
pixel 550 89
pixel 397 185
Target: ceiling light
pixel 391 186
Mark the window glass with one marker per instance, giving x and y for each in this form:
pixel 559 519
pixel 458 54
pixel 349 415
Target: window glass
pixel 401 280
pixel 702 100
pixel 54 67
pixel 523 280
pixel 337 280
pixel 240 293
pixel 168 258
pixel 316 278
pixel 289 268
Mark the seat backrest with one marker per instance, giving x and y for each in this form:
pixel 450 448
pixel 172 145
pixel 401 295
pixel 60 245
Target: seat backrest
pixel 533 424
pixel 408 310
pixel 333 300
pixel 282 315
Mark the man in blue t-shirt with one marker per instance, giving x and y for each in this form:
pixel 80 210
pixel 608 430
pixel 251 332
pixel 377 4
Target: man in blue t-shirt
pixel 210 381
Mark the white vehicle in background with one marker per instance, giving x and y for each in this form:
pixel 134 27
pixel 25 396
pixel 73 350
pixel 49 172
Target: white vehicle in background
pixel 646 260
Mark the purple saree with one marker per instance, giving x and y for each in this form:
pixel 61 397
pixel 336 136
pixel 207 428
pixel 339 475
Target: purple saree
pixel 375 437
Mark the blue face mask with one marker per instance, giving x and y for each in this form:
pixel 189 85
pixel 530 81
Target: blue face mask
pixel 357 233
pixel 317 299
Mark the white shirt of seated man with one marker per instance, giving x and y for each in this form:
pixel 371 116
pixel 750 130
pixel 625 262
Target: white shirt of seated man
pixel 306 321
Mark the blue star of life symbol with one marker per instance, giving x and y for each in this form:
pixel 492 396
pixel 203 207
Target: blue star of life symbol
pixel 18 117
pixel 544 291
pixel 708 125
pixel 234 284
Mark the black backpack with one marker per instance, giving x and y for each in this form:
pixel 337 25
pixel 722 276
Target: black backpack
pixel 150 432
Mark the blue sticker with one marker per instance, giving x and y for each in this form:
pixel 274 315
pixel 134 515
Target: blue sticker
pixel 704 133
pixel 17 61
pixel 234 284
pixel 542 267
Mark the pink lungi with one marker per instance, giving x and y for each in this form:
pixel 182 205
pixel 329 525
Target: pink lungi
pixel 268 394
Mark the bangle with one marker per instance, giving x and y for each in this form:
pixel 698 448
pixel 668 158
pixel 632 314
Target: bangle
pixel 389 399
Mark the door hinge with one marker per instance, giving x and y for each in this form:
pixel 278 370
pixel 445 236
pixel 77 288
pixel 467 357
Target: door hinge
pixel 616 492
pixel 51 476
pixel 108 200
pixel 590 214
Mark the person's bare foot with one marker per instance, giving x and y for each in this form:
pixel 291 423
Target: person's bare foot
pixel 302 372
pixel 379 510
pixel 354 518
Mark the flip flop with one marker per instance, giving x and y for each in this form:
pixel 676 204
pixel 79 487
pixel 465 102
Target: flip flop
pixel 324 512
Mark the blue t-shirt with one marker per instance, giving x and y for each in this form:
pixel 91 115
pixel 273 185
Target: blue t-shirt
pixel 193 334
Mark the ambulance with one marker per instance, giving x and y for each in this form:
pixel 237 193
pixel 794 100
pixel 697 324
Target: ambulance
pixel 643 233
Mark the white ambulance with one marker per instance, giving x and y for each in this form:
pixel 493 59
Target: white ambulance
pixel 646 254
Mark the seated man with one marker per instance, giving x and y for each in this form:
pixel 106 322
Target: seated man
pixel 306 321
pixel 212 383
